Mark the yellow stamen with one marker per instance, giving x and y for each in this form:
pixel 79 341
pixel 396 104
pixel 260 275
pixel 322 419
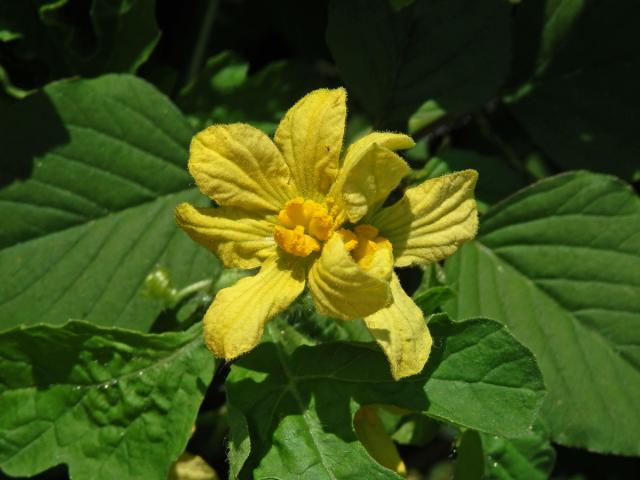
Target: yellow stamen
pixel 363 242
pixel 349 238
pixel 304 223
pixel 295 241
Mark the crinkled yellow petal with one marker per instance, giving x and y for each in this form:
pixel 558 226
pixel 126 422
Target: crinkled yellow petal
pixel 389 140
pixel 239 166
pixel 376 440
pixel 432 219
pixel 234 323
pixel 401 332
pixel 239 239
pixel 365 185
pixel 343 289
pixel 310 139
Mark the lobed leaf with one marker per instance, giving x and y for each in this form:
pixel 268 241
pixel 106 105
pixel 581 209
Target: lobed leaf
pixel 296 409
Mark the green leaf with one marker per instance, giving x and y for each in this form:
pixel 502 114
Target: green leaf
pixel 529 457
pixel 239 442
pixel 12 18
pixel 109 403
pixel 305 326
pixel 431 299
pixel 223 93
pixel 469 463
pixel 9 88
pixel 92 170
pixel 9 30
pixel 581 103
pixel 297 409
pixel 81 37
pixel 126 34
pixel 453 55
pixel 429 112
pixel 559 264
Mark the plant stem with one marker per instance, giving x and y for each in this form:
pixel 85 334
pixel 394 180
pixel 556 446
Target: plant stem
pixel 193 288
pixel 200 48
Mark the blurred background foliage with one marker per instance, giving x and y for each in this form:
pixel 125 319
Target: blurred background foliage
pixel 519 90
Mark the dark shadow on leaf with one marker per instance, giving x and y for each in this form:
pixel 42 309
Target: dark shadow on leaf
pixel 28 129
pixel 528 22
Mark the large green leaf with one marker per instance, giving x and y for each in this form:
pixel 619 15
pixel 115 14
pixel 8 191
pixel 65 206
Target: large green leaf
pixel 559 264
pixel 581 103
pixel 109 403
pixel 295 410
pixel 453 54
pixel 92 171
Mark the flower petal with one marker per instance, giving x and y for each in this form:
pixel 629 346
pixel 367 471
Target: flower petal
pixel 343 289
pixel 310 139
pixel 368 181
pixel 234 323
pixel 388 140
pixel 374 437
pixel 432 219
pixel 239 166
pixel 239 239
pixel 402 333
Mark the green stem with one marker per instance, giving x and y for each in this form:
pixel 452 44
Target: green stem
pixel 200 48
pixel 193 288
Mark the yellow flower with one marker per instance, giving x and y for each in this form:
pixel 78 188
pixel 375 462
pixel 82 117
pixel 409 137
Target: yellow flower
pixel 292 208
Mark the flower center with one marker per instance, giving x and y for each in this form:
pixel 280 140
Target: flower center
pixel 363 242
pixel 304 223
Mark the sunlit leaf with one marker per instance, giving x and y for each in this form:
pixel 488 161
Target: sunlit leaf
pixel 91 172
pixel 109 403
pixel 559 264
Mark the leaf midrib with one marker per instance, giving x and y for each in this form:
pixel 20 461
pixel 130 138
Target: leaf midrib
pixel 293 389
